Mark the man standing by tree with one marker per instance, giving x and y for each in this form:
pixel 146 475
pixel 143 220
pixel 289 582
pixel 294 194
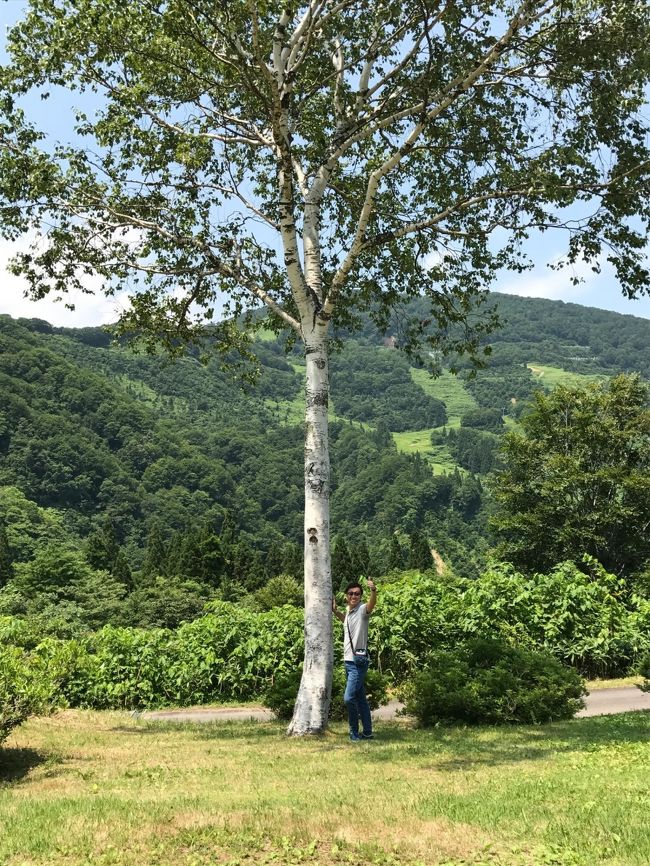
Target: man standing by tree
pixel 356 658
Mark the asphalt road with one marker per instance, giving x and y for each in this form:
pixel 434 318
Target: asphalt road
pixel 601 702
pixel 604 702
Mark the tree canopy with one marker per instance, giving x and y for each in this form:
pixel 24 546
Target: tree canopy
pixel 382 144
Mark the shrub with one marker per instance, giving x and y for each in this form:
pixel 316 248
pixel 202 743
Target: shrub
pixel 490 682
pixel 577 614
pixel 281 696
pixel 590 621
pixel 233 653
pixel 25 689
pixel 418 613
pixel 278 591
pixel 15 631
pixel 229 654
pixel 165 602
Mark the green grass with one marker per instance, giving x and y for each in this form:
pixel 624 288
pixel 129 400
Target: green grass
pixel 292 412
pixel 458 401
pixel 143 392
pixel 139 388
pixel 412 441
pixel 619 683
pixel 550 377
pixel 419 441
pixel 450 390
pixel 87 788
pixel 289 413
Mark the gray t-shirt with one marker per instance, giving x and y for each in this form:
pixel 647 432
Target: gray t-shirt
pixel 355 627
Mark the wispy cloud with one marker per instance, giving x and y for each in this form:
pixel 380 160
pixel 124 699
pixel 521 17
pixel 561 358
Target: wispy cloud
pixel 89 309
pixel 600 290
pixel 553 283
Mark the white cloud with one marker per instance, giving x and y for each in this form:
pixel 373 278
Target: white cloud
pixel 90 310
pixel 595 290
pixel 554 284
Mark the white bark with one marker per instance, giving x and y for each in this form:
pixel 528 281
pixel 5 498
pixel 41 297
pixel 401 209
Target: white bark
pixel 312 705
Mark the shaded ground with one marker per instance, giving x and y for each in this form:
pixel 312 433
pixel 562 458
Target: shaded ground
pixel 599 703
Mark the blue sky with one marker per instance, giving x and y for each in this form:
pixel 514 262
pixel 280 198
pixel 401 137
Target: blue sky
pixel 596 290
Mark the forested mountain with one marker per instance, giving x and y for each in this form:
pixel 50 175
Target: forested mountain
pixel 581 339
pixel 570 336
pixel 147 486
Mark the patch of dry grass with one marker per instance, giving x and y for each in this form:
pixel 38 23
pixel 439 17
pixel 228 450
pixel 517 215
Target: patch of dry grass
pixel 621 682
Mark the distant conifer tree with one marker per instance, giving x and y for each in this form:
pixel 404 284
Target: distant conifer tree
pixel 361 561
pixel 396 554
pixel 292 557
pixel 420 553
pixel 122 570
pixel 6 559
pixel 343 570
pixel 273 564
pixel 155 558
pixel 102 546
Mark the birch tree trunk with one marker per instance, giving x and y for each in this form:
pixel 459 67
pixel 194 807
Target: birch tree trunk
pixel 312 705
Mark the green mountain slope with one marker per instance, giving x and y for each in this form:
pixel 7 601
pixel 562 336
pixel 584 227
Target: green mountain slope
pixel 158 471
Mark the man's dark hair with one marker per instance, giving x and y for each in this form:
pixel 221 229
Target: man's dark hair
pixel 354 585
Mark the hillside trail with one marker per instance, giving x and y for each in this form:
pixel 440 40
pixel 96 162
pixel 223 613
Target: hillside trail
pixel 601 702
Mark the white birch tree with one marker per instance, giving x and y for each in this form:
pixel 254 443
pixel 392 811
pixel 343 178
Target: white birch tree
pixel 322 157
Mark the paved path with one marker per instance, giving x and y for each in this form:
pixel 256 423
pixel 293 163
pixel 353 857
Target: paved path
pixel 600 702
pixel 604 702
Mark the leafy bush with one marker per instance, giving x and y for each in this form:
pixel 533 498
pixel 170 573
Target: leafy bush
pixel 278 591
pixel 490 682
pixel 417 614
pixel 589 620
pixel 233 653
pixel 165 602
pixel 281 696
pixel 229 654
pixel 581 615
pixel 16 631
pixel 25 689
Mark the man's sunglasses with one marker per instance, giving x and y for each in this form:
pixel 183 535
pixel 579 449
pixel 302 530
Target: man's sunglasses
pixel 353 593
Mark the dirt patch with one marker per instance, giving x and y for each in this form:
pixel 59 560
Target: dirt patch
pixel 438 561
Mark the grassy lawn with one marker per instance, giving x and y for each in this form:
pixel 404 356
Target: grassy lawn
pixel 102 788
pixel 621 682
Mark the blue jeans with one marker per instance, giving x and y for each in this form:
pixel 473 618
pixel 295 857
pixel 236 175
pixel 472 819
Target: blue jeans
pixel 355 696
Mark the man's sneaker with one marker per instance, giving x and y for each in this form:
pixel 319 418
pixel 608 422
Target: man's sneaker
pixel 355 738
pixel 367 736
